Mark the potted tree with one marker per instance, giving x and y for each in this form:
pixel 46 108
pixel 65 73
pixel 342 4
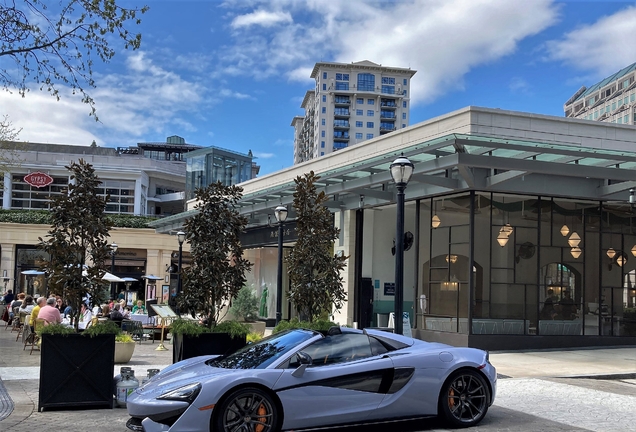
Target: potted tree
pixel 315 272
pixel 191 339
pixel 245 308
pixel 217 272
pixel 76 370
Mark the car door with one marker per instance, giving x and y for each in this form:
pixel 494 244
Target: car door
pixel 345 383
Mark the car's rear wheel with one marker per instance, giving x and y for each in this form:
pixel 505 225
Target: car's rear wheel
pixel 247 410
pixel 464 398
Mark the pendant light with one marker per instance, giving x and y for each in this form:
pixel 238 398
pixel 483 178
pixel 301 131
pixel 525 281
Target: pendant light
pixel 435 220
pixel 634 250
pixel 576 252
pixel 507 229
pixel 502 239
pixel 574 239
pixel 621 259
pixel 611 253
pixel 565 230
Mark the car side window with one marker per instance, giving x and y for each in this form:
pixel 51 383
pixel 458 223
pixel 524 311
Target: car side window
pixel 339 348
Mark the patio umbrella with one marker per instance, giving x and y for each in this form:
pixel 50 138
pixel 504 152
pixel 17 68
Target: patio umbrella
pixel 129 279
pixel 108 277
pixel 152 277
pixel 32 272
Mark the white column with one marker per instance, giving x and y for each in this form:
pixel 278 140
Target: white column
pixel 138 198
pixel 7 262
pixel 8 187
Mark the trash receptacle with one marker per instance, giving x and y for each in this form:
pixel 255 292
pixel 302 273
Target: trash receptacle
pixel 382 320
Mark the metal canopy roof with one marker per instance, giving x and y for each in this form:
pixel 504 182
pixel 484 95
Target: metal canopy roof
pixel 453 163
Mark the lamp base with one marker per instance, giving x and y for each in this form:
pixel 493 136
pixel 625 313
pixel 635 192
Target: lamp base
pixel 161 347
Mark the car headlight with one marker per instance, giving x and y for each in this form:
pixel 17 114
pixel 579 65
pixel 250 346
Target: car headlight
pixel 187 393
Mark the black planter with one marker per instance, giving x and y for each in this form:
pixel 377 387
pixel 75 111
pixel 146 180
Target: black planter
pixel 76 371
pixel 185 346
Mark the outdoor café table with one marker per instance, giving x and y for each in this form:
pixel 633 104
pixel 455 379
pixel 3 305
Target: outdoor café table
pixel 143 318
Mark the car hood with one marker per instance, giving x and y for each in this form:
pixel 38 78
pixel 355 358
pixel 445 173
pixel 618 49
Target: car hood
pixel 183 373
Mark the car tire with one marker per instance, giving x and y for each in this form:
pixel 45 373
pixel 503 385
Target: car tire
pixel 247 409
pixel 464 398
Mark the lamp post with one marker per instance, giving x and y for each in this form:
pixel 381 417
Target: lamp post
pixel 180 238
pixel 401 171
pixel 281 216
pixel 113 251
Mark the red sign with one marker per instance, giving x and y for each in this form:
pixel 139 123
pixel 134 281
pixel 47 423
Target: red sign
pixel 38 179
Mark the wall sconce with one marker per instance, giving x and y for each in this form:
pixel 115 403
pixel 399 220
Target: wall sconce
pixel 565 230
pixel 574 239
pixel 576 252
pixel 611 253
pixel 451 259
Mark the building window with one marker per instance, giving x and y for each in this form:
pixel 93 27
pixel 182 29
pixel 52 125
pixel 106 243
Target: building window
pixel 388 80
pixel 324 75
pixel 369 136
pixel 403 104
pixel 371 101
pixel 324 87
pixel 342 85
pixel 359 100
pixel 370 113
pixel 324 98
pixel 404 92
pixel 342 77
pixel 405 81
pixel 359 124
pixel 323 122
pixel 626 119
pixel 322 144
pixel 403 125
pixel 341 111
pixel 358 135
pixel 632 97
pixel 388 89
pixel 324 110
pixel 366 82
pixel 370 124
pixel 359 112
pixel 403 116
pixel 322 153
pixel 322 133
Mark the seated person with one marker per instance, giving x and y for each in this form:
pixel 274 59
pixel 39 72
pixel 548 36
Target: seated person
pixel 116 314
pixel 49 312
pixel 139 308
pixel 41 302
pixel 567 307
pixel 85 317
pixel 548 312
pixel 27 305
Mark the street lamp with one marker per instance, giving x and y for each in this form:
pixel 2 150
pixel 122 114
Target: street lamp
pixel 401 171
pixel 113 251
pixel 180 238
pixel 281 216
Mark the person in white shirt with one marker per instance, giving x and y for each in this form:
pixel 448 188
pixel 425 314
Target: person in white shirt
pixel 85 317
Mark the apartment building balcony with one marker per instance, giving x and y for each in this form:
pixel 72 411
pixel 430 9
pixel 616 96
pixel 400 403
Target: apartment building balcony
pixel 341 113
pixel 384 129
pixel 389 116
pixel 341 137
pixel 388 103
pixel 342 125
pixel 342 101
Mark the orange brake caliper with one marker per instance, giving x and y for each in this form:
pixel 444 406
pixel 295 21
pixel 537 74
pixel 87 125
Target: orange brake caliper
pixel 451 399
pixel 261 411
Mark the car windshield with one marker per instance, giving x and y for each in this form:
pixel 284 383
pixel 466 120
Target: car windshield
pixel 261 354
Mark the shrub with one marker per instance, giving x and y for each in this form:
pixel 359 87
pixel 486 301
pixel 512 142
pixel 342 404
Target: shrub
pixel 124 337
pixel 254 337
pixel 317 325
pixel 245 305
pixel 188 327
pixel 102 327
pixel 57 329
pixel 234 328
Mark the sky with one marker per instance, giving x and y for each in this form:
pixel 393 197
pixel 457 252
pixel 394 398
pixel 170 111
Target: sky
pixel 232 74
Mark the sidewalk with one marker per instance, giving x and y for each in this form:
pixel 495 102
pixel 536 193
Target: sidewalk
pixel 19 374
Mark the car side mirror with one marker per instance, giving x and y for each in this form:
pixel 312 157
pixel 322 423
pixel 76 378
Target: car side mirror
pixel 304 358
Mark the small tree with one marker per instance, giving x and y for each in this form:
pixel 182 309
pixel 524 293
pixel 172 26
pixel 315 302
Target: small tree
pixel 314 270
pixel 9 148
pixel 78 236
pixel 218 268
pixel 245 304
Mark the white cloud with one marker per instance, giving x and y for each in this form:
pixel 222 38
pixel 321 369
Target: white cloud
pixel 519 85
pixel 264 155
pixel 145 100
pixel 601 48
pixel 441 39
pixel 227 93
pixel 261 18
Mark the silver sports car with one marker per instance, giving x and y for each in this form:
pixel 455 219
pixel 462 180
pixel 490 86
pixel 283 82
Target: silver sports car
pixel 301 379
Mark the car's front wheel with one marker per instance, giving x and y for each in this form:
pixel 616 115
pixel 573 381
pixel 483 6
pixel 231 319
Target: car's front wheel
pixel 247 410
pixel 464 398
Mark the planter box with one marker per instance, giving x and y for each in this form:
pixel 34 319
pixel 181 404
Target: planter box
pixel 76 371
pixel 124 351
pixel 185 347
